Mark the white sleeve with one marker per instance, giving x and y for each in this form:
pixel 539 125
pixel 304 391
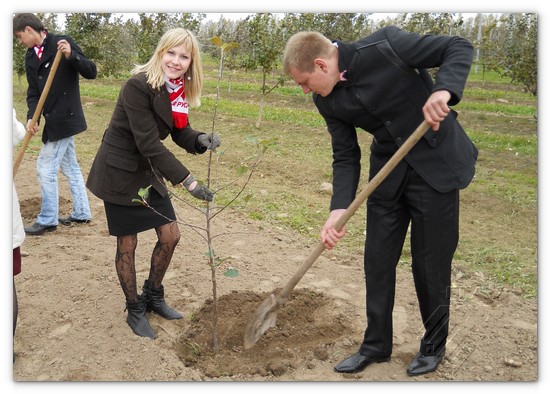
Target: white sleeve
pixel 18 130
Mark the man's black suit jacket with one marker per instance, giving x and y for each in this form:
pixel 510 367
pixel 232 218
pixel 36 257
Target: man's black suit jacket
pixel 387 85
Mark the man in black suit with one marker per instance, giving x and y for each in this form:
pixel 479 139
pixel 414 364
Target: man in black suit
pixel 63 118
pixel 381 84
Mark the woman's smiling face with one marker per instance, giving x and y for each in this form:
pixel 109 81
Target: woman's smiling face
pixel 176 62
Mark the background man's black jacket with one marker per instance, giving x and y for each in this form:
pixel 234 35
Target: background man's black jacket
pixel 62 110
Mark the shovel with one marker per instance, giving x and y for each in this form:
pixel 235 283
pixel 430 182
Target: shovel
pixel 37 111
pixel 265 316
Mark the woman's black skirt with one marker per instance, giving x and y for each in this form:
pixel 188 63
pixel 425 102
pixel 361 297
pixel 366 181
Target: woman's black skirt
pixel 128 220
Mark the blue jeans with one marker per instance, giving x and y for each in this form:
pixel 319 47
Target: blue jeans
pixel 53 157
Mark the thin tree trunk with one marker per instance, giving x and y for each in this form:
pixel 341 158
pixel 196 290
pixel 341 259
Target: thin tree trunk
pixel 261 103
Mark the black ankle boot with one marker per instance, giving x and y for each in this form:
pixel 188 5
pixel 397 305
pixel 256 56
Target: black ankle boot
pixel 155 302
pixel 137 319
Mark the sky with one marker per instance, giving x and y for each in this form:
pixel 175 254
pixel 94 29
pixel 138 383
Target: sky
pixel 243 7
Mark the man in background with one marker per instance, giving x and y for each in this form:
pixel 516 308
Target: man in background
pixel 63 118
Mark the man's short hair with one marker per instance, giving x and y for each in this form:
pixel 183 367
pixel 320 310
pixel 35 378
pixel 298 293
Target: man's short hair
pixel 303 48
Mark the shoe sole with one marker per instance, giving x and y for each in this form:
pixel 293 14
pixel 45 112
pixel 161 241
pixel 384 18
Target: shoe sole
pixel 46 230
pixel 69 222
pixel 428 371
pixel 382 360
pixel 420 373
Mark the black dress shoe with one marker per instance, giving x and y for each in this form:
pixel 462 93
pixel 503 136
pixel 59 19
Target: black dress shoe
pixel 358 362
pixel 38 229
pixel 67 220
pixel 422 364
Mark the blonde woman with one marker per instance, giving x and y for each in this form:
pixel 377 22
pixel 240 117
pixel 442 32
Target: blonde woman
pixel 152 105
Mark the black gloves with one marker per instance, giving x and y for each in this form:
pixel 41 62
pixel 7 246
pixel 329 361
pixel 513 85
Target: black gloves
pixel 210 141
pixel 200 191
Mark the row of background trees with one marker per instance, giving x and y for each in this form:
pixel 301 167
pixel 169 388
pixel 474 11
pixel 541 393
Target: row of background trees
pixel 506 43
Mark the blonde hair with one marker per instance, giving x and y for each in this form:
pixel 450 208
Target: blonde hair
pixel 194 75
pixel 303 48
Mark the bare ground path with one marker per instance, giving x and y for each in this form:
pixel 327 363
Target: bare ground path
pixel 72 322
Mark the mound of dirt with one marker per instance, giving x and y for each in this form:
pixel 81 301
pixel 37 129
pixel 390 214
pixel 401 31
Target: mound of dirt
pixel 306 330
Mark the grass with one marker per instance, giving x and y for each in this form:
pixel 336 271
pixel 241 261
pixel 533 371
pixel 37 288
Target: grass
pixel 499 108
pixel 479 93
pixel 498 212
pixel 487 76
pixel 250 110
pixel 519 144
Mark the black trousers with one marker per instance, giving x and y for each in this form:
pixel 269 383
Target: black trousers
pixel 433 218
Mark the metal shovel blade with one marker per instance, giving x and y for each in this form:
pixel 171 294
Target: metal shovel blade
pixel 262 320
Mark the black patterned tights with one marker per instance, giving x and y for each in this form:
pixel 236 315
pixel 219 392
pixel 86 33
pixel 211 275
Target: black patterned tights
pixel 168 237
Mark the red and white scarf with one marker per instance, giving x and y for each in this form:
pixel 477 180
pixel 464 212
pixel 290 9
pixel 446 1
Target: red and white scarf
pixel 39 48
pixel 180 107
pixel 38 51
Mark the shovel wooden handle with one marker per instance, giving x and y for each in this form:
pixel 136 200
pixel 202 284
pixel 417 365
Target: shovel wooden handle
pixel 37 111
pixel 356 203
